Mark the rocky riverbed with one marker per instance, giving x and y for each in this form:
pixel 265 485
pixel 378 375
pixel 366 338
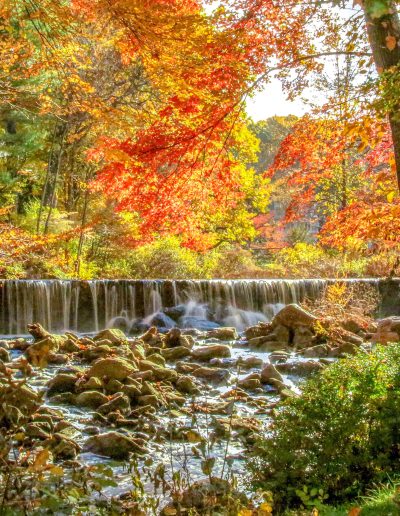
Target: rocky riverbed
pixel 186 405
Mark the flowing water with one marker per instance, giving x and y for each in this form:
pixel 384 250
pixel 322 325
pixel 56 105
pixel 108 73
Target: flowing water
pixel 88 306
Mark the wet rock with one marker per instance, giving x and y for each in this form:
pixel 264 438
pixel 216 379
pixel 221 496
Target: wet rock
pixel 269 372
pixel 57 358
pixel 303 337
pixel 64 397
pixel 321 350
pixel 223 333
pixel 38 352
pixel 159 373
pixel 268 343
pixel 62 447
pixel 186 385
pixel 92 399
pixel 149 399
pixel 61 383
pixel 293 316
pixel 91 430
pixel 161 320
pixel 197 323
pixel 70 346
pixel 199 494
pixel 114 336
pixel 249 362
pixel 19 344
pixel 211 374
pixel 116 368
pixel 301 368
pixel 4 355
pixel 206 353
pixel 156 358
pixel 175 312
pixel 262 329
pixel 92 384
pixel 287 393
pixel 114 445
pixel 388 330
pixel 278 356
pixel 37 331
pixel 36 430
pixel 175 353
pixel 250 382
pixel 4 344
pixel 113 386
pixel 119 402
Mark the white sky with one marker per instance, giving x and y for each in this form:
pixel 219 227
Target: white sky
pixel 272 101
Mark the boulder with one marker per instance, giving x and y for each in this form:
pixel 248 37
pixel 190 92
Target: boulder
pixel 61 383
pixel 262 329
pixel 197 323
pixel 292 316
pixel 225 333
pixel 303 337
pixel 211 374
pixel 175 353
pixel 186 385
pixel 113 335
pixel 250 382
pixel 114 445
pixel 266 343
pixel 92 399
pixel 249 362
pixel 316 351
pixel 38 352
pixel 206 353
pixel 119 402
pixel 161 320
pixel 388 330
pixel 175 312
pixel 269 373
pixel 116 368
pixel 303 368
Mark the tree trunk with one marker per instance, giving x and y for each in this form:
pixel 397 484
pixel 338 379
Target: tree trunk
pixel 384 38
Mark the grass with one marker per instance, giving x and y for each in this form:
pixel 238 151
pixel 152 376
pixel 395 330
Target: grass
pixel 383 500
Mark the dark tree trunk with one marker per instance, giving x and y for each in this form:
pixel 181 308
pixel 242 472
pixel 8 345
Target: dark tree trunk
pixel 384 38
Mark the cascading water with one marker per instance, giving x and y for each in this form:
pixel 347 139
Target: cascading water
pixel 87 306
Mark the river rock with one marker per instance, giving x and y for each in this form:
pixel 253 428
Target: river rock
pixel 301 368
pixel 161 320
pixel 175 353
pixel 321 350
pixel 38 352
pixel 113 335
pixel 4 355
pixel 250 382
pixel 92 384
pixel 388 330
pixel 268 343
pixel 293 316
pixel 212 374
pixel 186 385
pixel 61 383
pixel 206 353
pixel 262 329
pixel 270 373
pixel 303 337
pixel 114 445
pixel 119 402
pixel 92 399
pixel 249 362
pixel 116 368
pixel 159 373
pixel 175 312
pixel 197 323
pixel 225 333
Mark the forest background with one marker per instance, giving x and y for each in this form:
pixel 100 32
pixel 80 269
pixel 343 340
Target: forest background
pixel 126 150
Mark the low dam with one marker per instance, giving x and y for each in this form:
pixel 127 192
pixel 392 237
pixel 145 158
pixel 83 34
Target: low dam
pixel 88 306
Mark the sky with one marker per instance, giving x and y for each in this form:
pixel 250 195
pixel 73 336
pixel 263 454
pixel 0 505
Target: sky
pixel 272 101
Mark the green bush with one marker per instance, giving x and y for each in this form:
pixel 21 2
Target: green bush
pixel 339 437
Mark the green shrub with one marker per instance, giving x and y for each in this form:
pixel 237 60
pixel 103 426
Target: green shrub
pixel 341 435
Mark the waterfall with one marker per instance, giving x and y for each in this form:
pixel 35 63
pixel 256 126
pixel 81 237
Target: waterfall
pixel 88 306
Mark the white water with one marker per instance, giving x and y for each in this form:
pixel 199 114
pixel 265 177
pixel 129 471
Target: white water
pixel 87 306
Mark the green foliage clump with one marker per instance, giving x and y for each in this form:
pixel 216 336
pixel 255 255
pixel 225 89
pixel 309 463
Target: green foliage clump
pixel 339 437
